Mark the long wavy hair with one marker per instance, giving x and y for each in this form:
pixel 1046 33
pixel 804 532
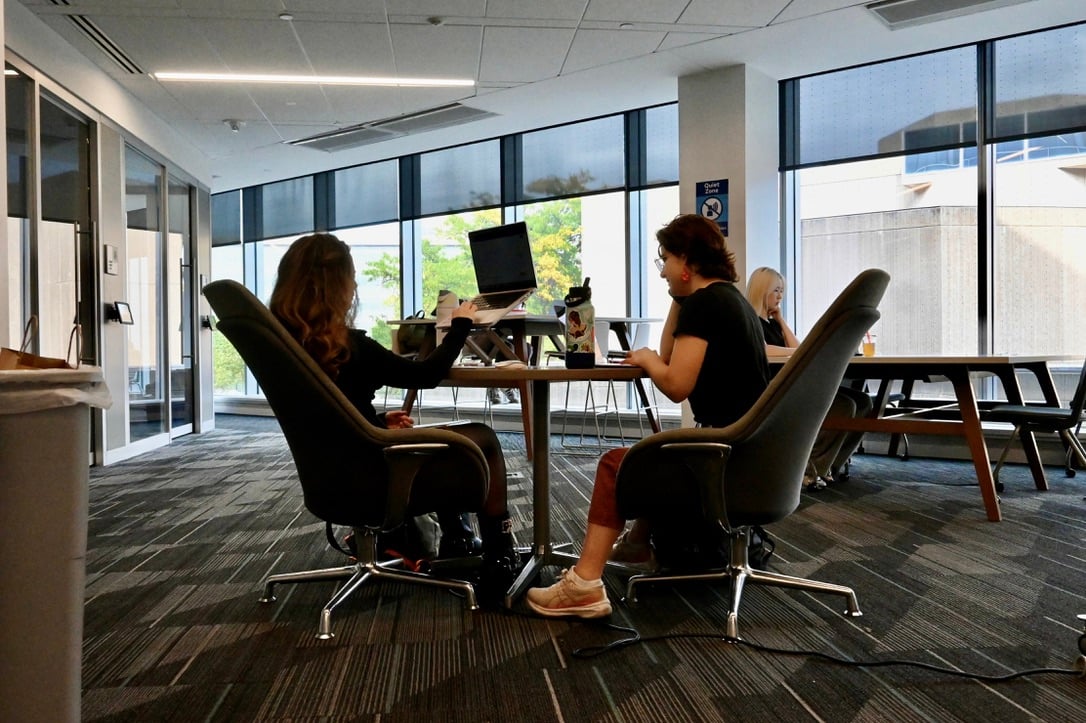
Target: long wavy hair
pixel 700 242
pixel 762 279
pixel 315 297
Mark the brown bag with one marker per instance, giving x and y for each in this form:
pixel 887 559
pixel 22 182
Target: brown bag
pixel 22 359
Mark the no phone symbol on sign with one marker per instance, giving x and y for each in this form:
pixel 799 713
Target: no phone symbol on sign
pixel 712 202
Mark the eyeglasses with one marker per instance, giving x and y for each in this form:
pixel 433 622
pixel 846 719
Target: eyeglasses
pixel 659 264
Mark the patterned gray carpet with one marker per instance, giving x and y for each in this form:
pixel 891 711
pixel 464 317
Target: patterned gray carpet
pixel 181 538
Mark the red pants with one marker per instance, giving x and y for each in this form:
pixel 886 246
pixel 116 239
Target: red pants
pixel 603 510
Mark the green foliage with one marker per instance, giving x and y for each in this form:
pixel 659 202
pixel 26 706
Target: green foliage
pixel 227 366
pixel 553 226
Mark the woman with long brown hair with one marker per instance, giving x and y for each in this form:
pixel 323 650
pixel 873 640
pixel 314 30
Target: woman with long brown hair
pixel 315 299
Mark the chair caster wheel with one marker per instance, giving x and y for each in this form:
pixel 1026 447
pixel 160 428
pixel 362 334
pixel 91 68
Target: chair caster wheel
pixel 998 486
pixel 1070 472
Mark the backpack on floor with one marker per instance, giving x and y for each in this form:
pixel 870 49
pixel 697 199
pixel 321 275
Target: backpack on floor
pixel 416 541
pixel 704 546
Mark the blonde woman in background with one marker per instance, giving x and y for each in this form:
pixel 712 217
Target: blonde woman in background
pixel 832 449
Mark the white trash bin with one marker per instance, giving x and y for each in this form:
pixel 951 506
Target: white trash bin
pixel 44 460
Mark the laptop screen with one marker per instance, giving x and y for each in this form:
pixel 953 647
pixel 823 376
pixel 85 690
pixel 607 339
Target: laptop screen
pixel 503 258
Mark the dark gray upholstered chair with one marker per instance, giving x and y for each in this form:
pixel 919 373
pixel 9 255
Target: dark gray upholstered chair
pixel 1055 420
pixel 352 473
pixel 751 472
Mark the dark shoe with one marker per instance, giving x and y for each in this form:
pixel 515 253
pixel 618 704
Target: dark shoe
pixel 452 547
pixel 457 536
pixel 511 395
pixel 495 579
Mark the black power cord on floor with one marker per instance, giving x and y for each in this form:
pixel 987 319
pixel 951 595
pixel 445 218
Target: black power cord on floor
pixel 635 638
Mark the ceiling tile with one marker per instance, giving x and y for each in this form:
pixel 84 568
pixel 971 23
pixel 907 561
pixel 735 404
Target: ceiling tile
pixel 648 11
pixel 752 13
pixel 593 48
pixel 346 48
pixel 806 8
pixel 440 8
pixel 247 46
pixel 541 9
pixel 158 44
pixel 362 105
pixel 679 40
pixel 523 55
pixel 445 52
pixel 213 102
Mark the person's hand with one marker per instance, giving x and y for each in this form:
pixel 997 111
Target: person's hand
pixel 398 419
pixel 640 357
pixel 466 310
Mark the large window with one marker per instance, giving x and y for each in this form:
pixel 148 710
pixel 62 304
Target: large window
pixel 593 194
pixel 885 165
pixel 867 214
pixel 226 263
pixel 376 253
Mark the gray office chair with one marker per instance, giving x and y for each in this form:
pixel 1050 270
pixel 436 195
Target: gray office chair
pixel 352 473
pixel 1032 418
pixel 751 472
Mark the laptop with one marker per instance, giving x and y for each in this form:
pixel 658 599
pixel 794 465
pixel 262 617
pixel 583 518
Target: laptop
pixel 504 270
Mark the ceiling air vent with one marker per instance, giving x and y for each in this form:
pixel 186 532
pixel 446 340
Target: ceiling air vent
pixel 382 130
pixel 102 41
pixel 906 13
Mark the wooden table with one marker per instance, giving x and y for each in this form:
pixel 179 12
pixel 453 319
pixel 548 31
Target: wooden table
pixel 963 418
pixel 621 325
pixel 540 379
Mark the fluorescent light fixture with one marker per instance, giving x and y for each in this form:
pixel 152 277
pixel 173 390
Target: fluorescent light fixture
pixel 309 79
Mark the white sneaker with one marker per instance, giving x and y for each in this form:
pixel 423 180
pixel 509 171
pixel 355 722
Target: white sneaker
pixel 567 598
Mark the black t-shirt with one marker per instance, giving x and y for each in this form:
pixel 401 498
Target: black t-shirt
pixel 773 333
pixel 735 371
pixel 372 366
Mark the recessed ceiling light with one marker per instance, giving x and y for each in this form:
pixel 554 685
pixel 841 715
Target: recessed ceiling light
pixel 309 79
pixel 286 16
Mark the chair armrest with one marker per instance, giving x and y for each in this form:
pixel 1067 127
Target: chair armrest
pixel 404 462
pixel 707 460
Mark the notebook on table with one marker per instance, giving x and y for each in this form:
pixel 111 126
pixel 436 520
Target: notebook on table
pixel 504 270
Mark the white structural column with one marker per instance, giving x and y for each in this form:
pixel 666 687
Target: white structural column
pixel 728 122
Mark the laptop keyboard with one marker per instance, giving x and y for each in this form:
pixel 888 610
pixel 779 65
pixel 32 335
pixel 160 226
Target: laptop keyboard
pixel 496 301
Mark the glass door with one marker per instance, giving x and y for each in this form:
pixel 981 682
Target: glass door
pixel 147 386
pixel 63 239
pixel 179 306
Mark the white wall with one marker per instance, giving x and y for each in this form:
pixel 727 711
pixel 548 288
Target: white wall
pixel 728 130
